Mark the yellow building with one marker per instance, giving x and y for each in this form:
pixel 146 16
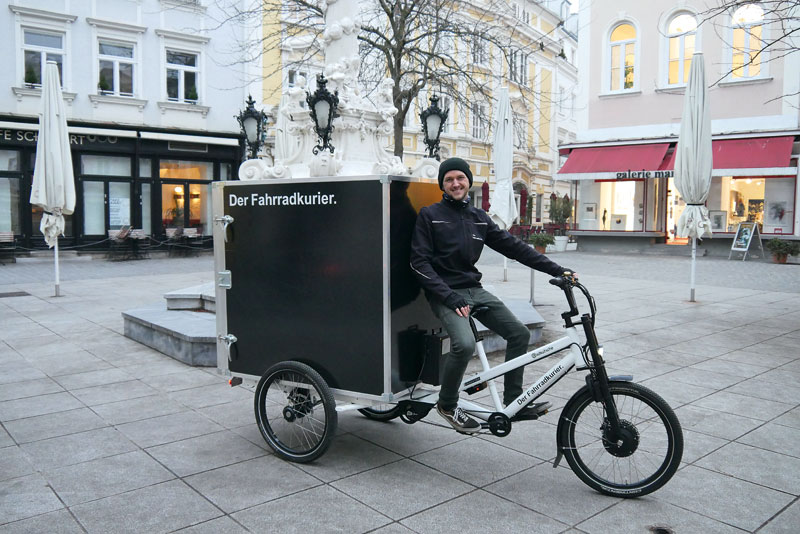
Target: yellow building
pixel 539 68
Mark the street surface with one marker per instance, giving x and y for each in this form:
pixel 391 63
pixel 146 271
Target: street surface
pixel 101 434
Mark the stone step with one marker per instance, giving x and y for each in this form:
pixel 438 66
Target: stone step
pixel 200 297
pixel 47 256
pixel 187 336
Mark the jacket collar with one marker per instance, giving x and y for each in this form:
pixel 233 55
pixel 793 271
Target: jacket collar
pixel 447 200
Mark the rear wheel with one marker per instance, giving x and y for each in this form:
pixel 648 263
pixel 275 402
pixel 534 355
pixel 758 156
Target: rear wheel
pixel 381 412
pixel 647 453
pixel 295 411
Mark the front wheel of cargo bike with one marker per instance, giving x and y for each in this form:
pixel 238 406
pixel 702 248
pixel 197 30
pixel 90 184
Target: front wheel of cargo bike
pixel 295 411
pixel 645 456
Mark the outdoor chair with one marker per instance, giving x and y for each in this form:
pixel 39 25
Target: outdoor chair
pixel 118 244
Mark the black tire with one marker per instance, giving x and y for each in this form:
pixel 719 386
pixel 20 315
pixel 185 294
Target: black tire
pixel 650 452
pixel 381 412
pixel 295 411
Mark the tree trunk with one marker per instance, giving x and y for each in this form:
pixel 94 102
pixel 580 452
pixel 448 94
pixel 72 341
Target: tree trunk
pixel 398 137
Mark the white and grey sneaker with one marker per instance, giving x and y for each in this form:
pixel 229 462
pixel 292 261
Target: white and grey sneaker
pixel 459 420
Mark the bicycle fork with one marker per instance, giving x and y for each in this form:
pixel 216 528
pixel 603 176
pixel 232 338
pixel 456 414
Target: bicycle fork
pixel 597 382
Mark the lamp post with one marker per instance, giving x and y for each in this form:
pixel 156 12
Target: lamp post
pixel 253 124
pixel 433 120
pixel 323 105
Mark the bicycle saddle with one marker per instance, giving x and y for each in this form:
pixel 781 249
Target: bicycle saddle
pixel 478 310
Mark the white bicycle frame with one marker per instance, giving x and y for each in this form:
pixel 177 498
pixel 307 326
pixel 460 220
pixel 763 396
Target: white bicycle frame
pixel 529 394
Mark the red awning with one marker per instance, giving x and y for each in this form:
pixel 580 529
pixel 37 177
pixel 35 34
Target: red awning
pixel 615 158
pixel 759 152
pixel 753 153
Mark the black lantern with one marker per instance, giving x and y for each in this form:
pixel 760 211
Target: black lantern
pixel 253 124
pixel 433 120
pixel 323 105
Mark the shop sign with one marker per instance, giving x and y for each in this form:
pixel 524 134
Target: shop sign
pixel 119 211
pixel 644 174
pixel 31 136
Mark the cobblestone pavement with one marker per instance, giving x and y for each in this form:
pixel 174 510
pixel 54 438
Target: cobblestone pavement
pixel 101 434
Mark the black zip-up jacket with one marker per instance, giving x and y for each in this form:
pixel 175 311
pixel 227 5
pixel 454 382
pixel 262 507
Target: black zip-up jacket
pixel 448 240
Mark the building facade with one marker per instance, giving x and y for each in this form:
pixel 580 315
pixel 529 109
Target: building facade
pixel 150 93
pixel 634 62
pixel 543 66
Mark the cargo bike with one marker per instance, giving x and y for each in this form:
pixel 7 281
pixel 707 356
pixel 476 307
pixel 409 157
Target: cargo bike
pixel 317 308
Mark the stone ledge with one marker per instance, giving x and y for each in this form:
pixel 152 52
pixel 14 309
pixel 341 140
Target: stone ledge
pixel 187 336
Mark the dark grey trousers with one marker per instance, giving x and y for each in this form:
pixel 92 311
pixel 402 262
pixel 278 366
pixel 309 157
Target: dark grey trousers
pixel 499 319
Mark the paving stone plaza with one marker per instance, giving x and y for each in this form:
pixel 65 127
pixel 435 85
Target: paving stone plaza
pixel 101 434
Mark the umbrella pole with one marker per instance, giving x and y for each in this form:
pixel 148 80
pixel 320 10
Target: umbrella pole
pixel 58 281
pixel 505 269
pixel 694 256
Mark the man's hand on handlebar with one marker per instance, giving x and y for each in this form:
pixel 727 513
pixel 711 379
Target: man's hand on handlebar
pixel 571 275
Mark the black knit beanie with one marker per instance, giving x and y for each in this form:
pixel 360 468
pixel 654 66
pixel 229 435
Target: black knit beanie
pixel 453 164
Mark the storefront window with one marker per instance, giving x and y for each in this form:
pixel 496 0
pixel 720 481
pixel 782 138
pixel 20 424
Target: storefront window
pixel 106 165
pixel 186 170
pixel 9 205
pixel 611 205
pixel 172 206
pixel 767 201
pixel 145 168
pixel 93 208
pixel 200 208
pixel 9 160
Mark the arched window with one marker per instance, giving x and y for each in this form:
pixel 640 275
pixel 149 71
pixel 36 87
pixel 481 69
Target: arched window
pixel 681 36
pixel 748 23
pixel 623 57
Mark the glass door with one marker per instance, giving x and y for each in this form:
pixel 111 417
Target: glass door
pixel 106 206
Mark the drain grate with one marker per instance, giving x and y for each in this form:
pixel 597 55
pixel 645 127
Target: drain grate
pixel 660 530
pixel 15 294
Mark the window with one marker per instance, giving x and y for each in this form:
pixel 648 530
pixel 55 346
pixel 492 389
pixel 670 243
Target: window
pixel 747 44
pixel 39 48
pixel 115 69
pixel 182 76
pixel 517 67
pixel 479 121
pixel 623 57
pixel 520 131
pixel 765 200
pixel 681 36
pixel 479 55
pixel 294 75
pixel 444 105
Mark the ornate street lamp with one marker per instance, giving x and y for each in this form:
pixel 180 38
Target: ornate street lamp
pixel 253 123
pixel 323 105
pixel 433 120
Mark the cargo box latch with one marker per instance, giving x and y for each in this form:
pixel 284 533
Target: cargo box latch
pixel 224 279
pixel 224 220
pixel 228 340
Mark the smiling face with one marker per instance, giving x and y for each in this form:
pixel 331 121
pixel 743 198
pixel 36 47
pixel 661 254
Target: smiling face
pixel 456 184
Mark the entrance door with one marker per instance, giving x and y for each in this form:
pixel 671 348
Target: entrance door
pixel 106 206
pixel 185 204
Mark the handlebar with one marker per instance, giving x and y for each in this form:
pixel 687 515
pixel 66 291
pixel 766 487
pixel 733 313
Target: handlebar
pixel 566 283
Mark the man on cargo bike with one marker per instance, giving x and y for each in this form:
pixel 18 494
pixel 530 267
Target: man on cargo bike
pixel 447 243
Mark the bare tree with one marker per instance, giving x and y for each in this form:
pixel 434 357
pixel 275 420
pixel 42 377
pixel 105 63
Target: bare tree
pixel 448 46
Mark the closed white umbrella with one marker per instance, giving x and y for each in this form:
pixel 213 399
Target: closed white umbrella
pixel 503 210
pixel 694 161
pixel 53 181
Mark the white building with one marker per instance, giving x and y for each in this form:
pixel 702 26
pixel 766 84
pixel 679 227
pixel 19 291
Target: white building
pixel 151 89
pixel 634 60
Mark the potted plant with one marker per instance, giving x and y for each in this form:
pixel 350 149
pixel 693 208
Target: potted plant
pixel 540 241
pixel 103 85
pixel 191 95
pixel 782 248
pixel 560 212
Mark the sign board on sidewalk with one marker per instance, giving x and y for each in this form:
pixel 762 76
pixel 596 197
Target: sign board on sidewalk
pixel 746 232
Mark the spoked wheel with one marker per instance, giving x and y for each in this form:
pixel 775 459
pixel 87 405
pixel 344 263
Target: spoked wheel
pixel 295 411
pixel 381 412
pixel 647 453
